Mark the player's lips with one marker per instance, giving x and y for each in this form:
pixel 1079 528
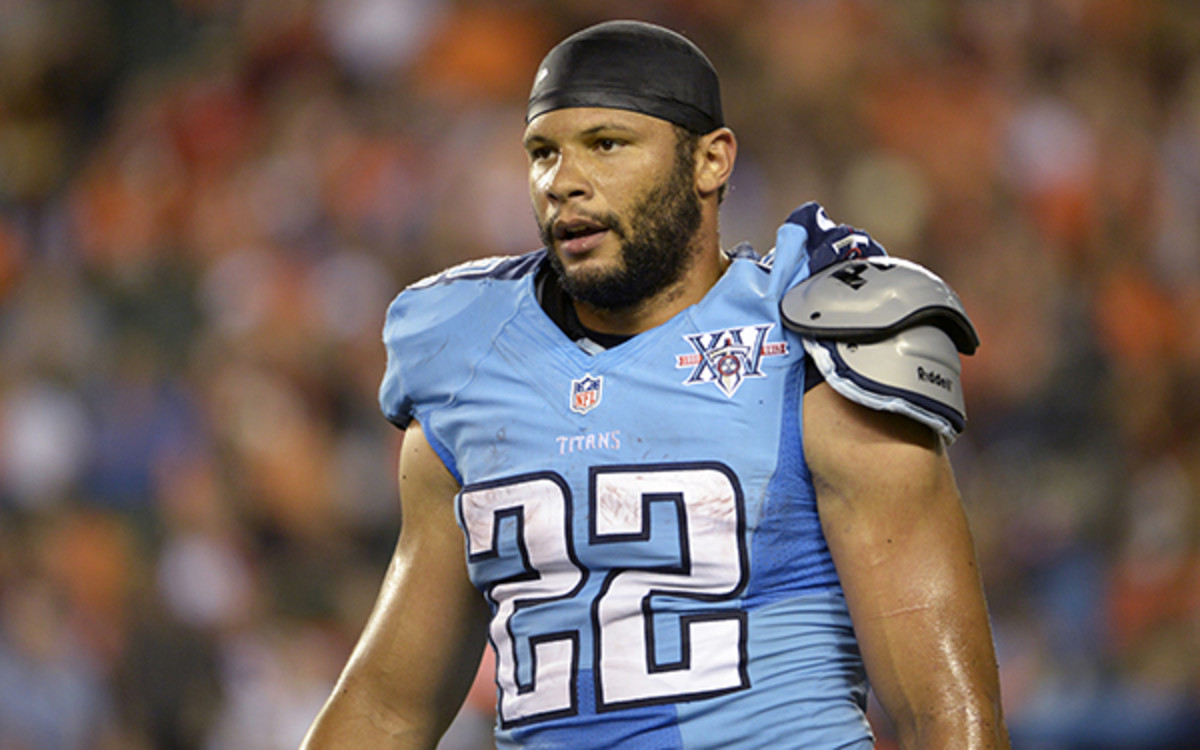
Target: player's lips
pixel 579 236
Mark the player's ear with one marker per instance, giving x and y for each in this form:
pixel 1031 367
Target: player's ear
pixel 715 155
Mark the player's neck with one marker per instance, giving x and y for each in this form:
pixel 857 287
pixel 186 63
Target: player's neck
pixel 707 267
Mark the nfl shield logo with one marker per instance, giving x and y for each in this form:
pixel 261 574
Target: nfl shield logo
pixel 585 393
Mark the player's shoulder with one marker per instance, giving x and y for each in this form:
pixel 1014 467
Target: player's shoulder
pixel 498 268
pixel 808 241
pixel 468 290
pixel 438 326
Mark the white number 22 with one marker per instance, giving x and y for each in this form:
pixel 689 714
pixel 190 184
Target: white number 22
pixel 524 525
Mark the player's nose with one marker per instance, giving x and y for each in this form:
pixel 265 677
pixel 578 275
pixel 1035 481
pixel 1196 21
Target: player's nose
pixel 567 180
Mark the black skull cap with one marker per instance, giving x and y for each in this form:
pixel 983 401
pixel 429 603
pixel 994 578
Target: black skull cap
pixel 630 65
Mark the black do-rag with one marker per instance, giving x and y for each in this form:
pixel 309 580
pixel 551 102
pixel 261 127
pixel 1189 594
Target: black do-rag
pixel 630 65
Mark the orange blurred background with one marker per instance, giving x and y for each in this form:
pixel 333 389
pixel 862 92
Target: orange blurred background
pixel 206 205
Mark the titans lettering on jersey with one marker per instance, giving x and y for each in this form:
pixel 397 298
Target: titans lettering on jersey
pixel 641 520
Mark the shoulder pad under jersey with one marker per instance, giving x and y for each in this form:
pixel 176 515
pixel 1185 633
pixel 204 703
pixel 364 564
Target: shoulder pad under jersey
pixel 871 298
pixel 886 333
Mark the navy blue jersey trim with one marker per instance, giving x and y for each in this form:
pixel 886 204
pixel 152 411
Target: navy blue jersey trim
pixel 442 452
pixel 829 243
pixel 503 268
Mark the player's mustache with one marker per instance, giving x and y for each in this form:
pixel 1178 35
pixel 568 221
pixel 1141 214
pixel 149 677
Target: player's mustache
pixel 607 220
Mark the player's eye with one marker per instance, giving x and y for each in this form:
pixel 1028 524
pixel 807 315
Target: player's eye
pixel 607 144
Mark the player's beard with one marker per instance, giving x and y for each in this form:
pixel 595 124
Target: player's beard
pixel 656 247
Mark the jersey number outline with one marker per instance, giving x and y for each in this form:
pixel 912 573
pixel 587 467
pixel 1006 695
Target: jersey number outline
pixel 524 525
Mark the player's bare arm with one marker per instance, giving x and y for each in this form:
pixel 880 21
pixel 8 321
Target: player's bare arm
pixel 415 659
pixel 894 522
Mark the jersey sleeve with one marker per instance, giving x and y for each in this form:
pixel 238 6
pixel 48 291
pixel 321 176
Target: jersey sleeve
pixel 419 335
pixel 436 329
pixel 809 241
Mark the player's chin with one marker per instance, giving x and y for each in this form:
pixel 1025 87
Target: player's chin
pixel 591 269
pixel 592 281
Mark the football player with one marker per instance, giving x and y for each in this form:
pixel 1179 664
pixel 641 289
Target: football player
pixel 691 498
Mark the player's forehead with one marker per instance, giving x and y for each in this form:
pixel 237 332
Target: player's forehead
pixel 573 122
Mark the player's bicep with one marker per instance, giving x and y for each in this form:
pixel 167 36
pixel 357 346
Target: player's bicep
pixel 857 454
pixel 898 535
pixel 886 497
pixel 422 643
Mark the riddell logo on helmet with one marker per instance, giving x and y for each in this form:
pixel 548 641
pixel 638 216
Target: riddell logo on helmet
pixel 935 378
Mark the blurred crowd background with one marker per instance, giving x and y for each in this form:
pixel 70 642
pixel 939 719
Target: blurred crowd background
pixel 206 205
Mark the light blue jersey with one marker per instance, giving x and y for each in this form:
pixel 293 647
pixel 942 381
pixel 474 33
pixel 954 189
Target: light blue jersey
pixel 641 519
